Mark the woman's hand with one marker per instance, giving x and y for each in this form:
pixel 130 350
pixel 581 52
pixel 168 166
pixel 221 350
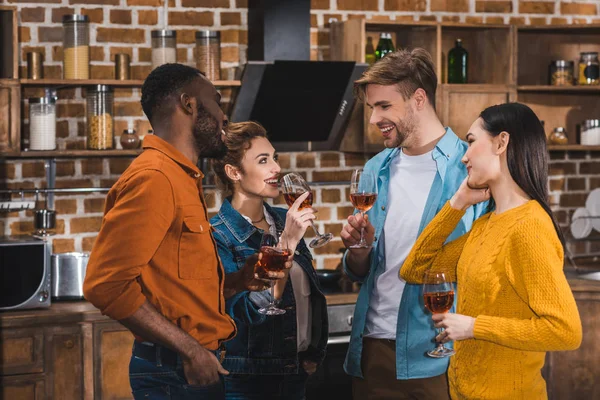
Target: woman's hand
pixel 466 196
pixel 296 223
pixel 456 327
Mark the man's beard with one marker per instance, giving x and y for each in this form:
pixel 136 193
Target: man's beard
pixel 405 129
pixel 206 136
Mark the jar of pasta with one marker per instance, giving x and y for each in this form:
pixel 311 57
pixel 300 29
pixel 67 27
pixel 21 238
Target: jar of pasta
pixel 100 126
pixel 164 47
pixel 561 73
pixel 76 47
pixel 208 54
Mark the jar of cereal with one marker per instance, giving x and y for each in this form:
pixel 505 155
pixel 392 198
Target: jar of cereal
pixel 76 47
pixel 100 127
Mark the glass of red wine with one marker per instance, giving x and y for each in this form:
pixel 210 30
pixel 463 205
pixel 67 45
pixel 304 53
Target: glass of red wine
pixel 363 194
pixel 438 294
pixel 293 186
pixel 274 257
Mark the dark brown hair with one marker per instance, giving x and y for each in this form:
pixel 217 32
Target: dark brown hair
pixel 238 141
pixel 409 70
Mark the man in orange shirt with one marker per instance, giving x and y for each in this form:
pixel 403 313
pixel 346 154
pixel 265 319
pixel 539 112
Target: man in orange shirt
pixel 154 266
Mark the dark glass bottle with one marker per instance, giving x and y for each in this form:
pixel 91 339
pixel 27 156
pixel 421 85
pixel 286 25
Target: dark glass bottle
pixel 458 61
pixel 384 46
pixel 370 52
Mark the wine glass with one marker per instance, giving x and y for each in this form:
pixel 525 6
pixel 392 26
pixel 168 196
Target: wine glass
pixel 293 186
pixel 363 193
pixel 438 294
pixel 274 257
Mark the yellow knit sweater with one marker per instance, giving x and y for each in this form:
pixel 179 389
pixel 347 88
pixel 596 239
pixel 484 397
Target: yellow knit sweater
pixel 509 273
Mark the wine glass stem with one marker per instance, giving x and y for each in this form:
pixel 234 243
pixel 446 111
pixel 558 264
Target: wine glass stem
pixel 438 332
pixel 272 305
pixel 362 230
pixel 315 228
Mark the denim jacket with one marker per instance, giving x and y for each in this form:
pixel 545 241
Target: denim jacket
pixel 414 331
pixel 266 344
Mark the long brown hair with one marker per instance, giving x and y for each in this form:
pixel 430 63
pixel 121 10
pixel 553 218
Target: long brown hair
pixel 408 70
pixel 238 140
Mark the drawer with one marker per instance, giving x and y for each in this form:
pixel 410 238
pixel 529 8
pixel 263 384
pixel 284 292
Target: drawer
pixel 23 387
pixel 21 351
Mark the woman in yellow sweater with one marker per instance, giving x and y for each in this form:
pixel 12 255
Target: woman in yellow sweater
pixel 513 301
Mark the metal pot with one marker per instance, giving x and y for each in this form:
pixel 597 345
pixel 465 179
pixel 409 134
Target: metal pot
pixel 44 220
pixel 68 273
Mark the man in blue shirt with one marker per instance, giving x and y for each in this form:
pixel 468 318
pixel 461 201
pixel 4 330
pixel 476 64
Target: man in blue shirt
pixel 415 176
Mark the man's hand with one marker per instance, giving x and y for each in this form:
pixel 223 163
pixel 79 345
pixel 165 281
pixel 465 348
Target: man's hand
pixel 351 232
pixel 309 366
pixel 202 368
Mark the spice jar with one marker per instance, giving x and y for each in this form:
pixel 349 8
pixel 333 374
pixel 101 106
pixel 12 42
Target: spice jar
pixel 42 123
pixel 35 65
pixel 561 73
pixel 208 54
pixel 164 47
pixel 590 132
pixel 589 69
pixel 100 117
pixel 558 136
pixel 130 139
pixel 122 66
pixel 76 47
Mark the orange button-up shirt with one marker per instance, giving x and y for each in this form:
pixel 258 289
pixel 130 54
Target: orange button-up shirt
pixel 156 244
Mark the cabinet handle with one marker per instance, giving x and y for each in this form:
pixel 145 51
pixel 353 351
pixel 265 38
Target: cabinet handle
pixel 69 344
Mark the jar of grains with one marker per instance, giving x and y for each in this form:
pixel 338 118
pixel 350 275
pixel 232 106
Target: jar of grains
pixel 164 47
pixel 42 123
pixel 76 47
pixel 208 54
pixel 561 73
pixel 589 69
pixel 100 127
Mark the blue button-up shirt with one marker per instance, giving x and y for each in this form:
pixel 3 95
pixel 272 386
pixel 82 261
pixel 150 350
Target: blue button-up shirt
pixel 415 330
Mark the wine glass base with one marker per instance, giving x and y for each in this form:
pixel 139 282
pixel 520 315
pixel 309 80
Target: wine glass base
pixel 441 352
pixel 359 246
pixel 320 241
pixel 271 311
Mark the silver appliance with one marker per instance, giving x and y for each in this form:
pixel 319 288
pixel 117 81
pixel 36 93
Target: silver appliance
pixel 24 273
pixel 68 273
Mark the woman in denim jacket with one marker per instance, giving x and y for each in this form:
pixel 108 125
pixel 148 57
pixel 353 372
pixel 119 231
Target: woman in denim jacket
pixel 271 356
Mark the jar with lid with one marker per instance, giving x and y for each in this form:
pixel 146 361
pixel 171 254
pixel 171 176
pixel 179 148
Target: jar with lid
pixel 208 54
pixel 590 132
pixel 130 139
pixel 164 47
pixel 100 127
pixel 76 47
pixel 589 69
pixel 561 73
pixel 42 123
pixel 558 136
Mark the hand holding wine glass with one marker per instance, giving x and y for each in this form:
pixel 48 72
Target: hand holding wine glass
pixel 438 294
pixel 363 194
pixel 293 186
pixel 274 257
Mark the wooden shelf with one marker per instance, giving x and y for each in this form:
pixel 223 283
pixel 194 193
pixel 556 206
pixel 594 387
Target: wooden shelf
pixel 573 147
pixel 109 82
pixel 75 154
pixel 558 89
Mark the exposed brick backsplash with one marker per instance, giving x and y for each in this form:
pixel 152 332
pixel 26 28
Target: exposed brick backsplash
pixel 124 26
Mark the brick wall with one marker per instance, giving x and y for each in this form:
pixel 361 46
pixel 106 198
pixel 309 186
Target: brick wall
pixel 125 25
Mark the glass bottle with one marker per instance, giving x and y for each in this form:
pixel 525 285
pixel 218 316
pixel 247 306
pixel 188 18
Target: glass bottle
pixel 76 47
pixel 370 57
pixel 384 46
pixel 100 126
pixel 164 47
pixel 130 139
pixel 458 60
pixel 208 54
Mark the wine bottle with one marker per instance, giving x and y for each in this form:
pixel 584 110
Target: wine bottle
pixel 458 59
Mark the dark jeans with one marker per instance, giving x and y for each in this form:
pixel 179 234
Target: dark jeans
pixel 156 373
pixel 266 387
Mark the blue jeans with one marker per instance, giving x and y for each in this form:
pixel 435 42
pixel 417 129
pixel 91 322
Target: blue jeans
pixel 266 387
pixel 161 379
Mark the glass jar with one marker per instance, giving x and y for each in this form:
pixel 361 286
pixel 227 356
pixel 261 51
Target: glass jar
pixel 208 54
pixel 100 127
pixel 42 123
pixel 590 132
pixel 130 139
pixel 164 47
pixel 558 136
pixel 76 47
pixel 589 69
pixel 561 73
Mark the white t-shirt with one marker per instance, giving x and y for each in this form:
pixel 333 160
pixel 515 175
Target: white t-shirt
pixel 411 178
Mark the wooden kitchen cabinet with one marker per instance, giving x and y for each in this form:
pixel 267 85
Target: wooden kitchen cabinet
pixel 10 123
pixel 64 367
pixel 112 351
pixel 23 387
